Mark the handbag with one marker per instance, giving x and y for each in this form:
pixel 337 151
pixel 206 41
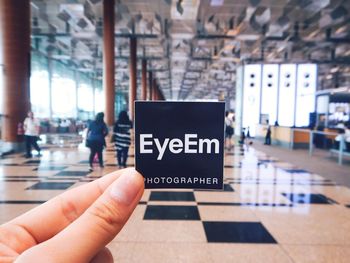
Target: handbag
pixel 88 143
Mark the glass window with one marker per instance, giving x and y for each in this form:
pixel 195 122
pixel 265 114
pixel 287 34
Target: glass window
pixel 85 97
pixel 306 88
pixel 286 103
pixel 39 86
pixel 99 97
pixel 63 92
pixel 251 97
pixel 269 92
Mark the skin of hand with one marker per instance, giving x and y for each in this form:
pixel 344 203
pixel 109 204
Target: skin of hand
pixel 76 225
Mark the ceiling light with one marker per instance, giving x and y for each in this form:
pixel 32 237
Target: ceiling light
pixel 335 69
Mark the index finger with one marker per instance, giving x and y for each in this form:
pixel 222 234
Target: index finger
pixel 48 219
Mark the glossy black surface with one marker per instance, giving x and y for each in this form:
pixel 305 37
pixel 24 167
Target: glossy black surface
pixel 162 212
pixel 243 204
pixel 71 173
pixel 171 196
pixel 50 186
pixel 33 161
pixel 22 202
pixel 227 188
pixel 237 232
pixel 302 198
pixel 50 168
pixel 295 171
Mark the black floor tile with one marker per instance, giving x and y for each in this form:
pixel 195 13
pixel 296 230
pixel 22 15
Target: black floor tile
pixel 245 204
pixel 21 202
pixel 171 196
pixel 237 232
pixel 50 186
pixel 309 198
pixel 50 168
pixel 162 212
pixel 72 173
pixel 33 161
pixel 295 171
pixel 227 188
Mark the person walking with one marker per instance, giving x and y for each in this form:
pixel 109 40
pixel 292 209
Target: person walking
pixel 268 134
pixel 228 130
pixel 31 127
pixel 96 133
pixel 122 138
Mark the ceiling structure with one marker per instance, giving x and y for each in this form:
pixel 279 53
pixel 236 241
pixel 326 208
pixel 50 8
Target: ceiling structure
pixel 194 46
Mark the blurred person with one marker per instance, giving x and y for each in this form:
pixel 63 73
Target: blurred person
pixel 122 138
pixel 75 226
pixel 242 138
pixel 95 140
pixel 31 127
pixel 268 134
pixel 248 133
pixel 228 130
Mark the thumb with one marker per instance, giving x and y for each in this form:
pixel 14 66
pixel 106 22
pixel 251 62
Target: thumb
pixel 93 230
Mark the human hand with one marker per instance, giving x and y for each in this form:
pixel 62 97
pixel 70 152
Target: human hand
pixel 76 225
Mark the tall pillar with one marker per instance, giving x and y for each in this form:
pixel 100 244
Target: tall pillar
pixel 157 93
pixel 144 80
pixel 133 75
pixel 150 81
pixel 154 89
pixel 15 57
pixel 108 60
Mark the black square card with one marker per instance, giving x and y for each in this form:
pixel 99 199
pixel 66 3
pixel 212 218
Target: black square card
pixel 180 144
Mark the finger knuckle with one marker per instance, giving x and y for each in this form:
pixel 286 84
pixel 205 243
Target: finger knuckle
pixel 69 209
pixel 108 217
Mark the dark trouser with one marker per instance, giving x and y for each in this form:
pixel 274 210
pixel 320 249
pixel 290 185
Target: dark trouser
pixel 122 156
pixel 31 140
pixel 268 139
pixel 95 148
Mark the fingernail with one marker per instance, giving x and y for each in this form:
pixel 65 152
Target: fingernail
pixel 126 187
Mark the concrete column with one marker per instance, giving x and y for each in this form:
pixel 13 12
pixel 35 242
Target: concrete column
pixel 154 89
pixel 150 82
pixel 108 60
pixel 15 57
pixel 144 80
pixel 133 76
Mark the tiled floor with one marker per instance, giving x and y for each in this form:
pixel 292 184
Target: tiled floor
pixel 269 210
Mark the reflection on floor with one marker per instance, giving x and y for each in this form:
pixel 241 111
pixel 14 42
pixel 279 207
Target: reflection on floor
pixel 269 211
